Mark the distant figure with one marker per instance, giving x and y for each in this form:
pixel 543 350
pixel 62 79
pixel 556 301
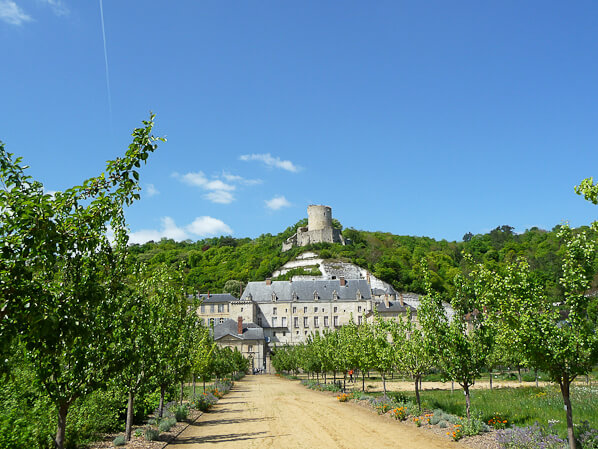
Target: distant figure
pixel 350 375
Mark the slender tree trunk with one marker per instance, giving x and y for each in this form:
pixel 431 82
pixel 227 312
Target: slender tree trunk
pixel 419 405
pixel 363 381
pixel 345 382
pixel 129 423
pixel 182 391
pixel 161 407
pixel 334 374
pixel 318 378
pixel 204 383
pixel 63 409
pixel 519 373
pixel 194 386
pixel 467 399
pixel 383 382
pixel 490 372
pixel 565 383
pixel 324 377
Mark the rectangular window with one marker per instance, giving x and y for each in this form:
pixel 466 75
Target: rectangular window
pixel 325 321
pixel 315 310
pixel 359 308
pixel 294 309
pixel 335 309
pixel 220 308
pixel 250 348
pixel 359 319
pixel 211 308
pixel 305 310
pixel 203 308
pixel 259 320
pixel 274 321
pixel 295 322
pixel 305 323
pixel 283 321
pixel 273 310
pixel 316 322
pixel 336 321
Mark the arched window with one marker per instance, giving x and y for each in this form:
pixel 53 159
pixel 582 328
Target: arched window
pixel 295 297
pixel 358 296
pixel 335 295
pixel 316 297
pixel 274 298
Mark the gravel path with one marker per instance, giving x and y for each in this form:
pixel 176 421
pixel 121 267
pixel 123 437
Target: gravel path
pixel 269 412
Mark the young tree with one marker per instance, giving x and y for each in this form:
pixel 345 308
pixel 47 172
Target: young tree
pixel 414 350
pixel 464 340
pixel 558 338
pixel 385 354
pixel 60 276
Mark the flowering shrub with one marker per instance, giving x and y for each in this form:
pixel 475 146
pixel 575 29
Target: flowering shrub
pixel 457 433
pixel 399 413
pixel 497 421
pixel 343 397
pixel 588 437
pixel 204 401
pixel 534 437
pixel 382 407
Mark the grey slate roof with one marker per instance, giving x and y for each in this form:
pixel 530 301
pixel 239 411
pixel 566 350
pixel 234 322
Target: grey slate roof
pixel 304 290
pixel 215 298
pixel 251 331
pixel 393 306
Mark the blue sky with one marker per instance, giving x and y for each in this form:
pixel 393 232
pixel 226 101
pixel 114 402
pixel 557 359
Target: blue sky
pixel 416 118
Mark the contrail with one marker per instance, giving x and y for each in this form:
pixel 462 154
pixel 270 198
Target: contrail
pixel 106 61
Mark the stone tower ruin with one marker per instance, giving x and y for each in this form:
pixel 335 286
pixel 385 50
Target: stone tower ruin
pixel 319 229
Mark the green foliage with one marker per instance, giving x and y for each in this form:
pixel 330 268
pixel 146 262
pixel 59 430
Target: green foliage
pixel 119 441
pixel 166 424
pixel 151 434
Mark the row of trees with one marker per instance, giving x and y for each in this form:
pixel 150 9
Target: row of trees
pixel 498 316
pixel 76 306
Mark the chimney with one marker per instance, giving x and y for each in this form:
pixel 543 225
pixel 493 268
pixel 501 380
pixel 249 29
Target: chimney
pixel 208 293
pixel 368 277
pixel 386 303
pixel 268 281
pixel 401 299
pixel 240 325
pixel 342 281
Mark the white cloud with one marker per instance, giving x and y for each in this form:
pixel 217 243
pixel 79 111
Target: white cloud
pixel 207 226
pixel 218 191
pixel 151 190
pixel 200 227
pixel 11 13
pixel 220 197
pixel 271 161
pixel 236 178
pixel 278 202
pixel 57 6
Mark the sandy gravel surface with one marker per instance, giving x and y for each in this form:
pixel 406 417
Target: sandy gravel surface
pixel 269 412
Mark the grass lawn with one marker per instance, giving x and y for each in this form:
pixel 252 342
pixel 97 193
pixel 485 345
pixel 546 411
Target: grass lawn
pixel 520 406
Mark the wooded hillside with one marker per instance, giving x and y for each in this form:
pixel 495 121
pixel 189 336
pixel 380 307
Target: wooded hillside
pixel 209 263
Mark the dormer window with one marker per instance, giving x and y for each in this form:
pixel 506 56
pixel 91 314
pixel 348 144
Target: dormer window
pixel 316 297
pixel 358 296
pixel 335 295
pixel 274 298
pixel 295 297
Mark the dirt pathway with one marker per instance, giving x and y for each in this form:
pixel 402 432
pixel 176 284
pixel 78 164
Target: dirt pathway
pixel 269 412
